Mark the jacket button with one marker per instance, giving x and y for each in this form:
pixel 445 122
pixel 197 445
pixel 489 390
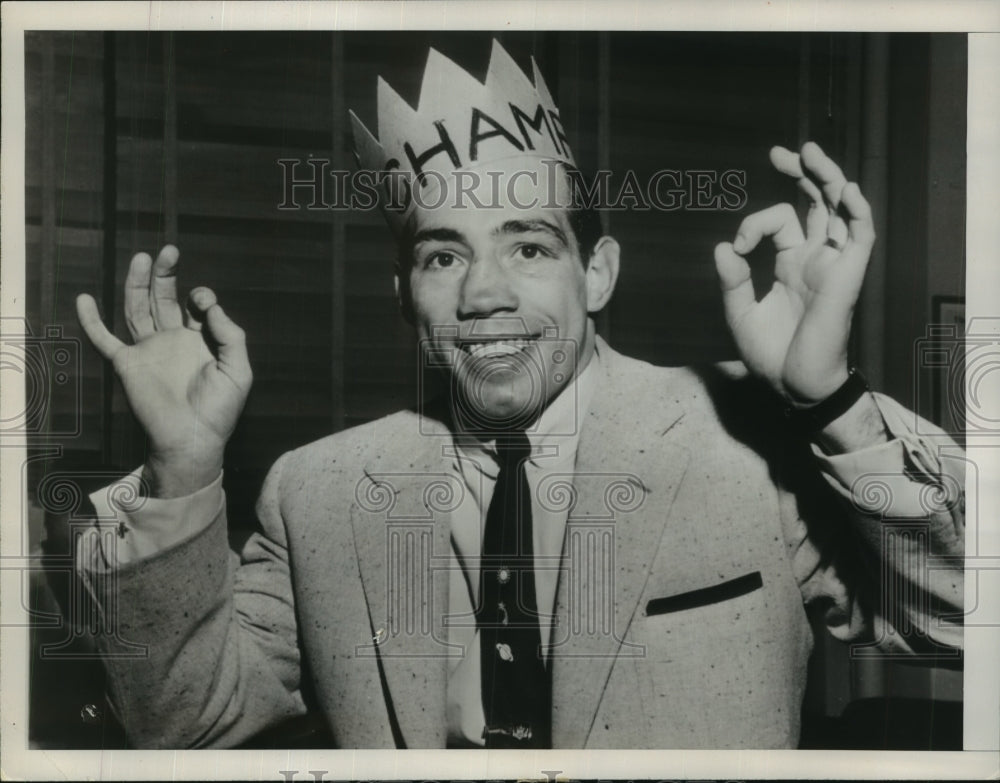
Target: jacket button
pixel 90 714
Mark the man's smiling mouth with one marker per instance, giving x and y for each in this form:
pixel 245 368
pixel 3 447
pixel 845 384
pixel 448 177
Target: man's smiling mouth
pixel 480 349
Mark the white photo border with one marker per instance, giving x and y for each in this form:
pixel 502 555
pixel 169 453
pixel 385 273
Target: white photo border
pixel 981 759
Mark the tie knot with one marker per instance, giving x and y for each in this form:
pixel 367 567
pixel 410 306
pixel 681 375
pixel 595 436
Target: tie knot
pixel 513 447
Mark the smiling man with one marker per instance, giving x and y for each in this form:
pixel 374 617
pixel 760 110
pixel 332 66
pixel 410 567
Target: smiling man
pixel 505 297
pixel 568 547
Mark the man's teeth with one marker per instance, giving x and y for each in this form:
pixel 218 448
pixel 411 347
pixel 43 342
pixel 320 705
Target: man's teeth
pixel 496 348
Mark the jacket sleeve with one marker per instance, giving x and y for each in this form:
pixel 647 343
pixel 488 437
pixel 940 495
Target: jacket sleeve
pixel 203 650
pixel 889 571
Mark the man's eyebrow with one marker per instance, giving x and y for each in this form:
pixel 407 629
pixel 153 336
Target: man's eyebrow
pixel 438 235
pixel 525 226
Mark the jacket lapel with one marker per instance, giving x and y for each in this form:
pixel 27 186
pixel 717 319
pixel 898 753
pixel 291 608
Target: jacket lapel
pixel 625 482
pixel 615 523
pixel 401 536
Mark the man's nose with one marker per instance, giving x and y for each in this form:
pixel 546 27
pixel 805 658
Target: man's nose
pixel 486 290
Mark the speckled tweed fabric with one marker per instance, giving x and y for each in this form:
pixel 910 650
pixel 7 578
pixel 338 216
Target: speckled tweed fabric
pixel 698 532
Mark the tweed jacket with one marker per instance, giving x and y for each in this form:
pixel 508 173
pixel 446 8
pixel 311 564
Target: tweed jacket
pixel 699 535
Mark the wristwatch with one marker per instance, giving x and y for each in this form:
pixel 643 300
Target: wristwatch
pixel 817 417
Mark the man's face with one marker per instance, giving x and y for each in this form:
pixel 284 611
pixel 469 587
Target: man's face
pixel 500 298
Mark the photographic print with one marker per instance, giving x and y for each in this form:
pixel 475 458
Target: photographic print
pixel 513 388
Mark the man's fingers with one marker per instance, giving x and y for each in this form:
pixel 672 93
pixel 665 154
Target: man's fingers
pixel 828 174
pixel 857 247
pixel 860 226
pixel 105 342
pixel 786 161
pixel 778 222
pixel 823 181
pixel 790 164
pixel 737 285
pixel 198 303
pixel 138 315
pixel 231 342
pixel 163 289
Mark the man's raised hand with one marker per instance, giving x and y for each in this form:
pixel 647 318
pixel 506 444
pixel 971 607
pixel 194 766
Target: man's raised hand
pixel 186 375
pixel 796 335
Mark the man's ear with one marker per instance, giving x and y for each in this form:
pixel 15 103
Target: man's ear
pixel 602 273
pixel 401 281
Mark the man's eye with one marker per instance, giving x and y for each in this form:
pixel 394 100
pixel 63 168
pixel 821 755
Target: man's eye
pixel 531 252
pixel 441 260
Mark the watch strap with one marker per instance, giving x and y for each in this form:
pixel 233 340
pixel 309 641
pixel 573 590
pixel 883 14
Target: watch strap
pixel 817 417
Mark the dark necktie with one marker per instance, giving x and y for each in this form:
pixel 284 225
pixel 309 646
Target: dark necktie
pixel 517 698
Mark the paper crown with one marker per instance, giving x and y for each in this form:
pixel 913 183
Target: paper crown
pixel 460 123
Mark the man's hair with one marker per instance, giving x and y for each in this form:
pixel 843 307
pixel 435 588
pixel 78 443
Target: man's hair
pixel 588 228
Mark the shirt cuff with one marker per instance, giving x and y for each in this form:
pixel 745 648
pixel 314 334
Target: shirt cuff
pixel 148 526
pixel 891 479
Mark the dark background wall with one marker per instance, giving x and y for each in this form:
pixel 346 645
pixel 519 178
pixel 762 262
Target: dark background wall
pixel 136 139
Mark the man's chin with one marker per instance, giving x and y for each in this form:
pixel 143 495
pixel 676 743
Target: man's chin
pixel 498 409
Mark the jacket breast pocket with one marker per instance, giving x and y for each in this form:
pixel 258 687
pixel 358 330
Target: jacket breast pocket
pixel 720 667
pixel 705 596
pixel 689 627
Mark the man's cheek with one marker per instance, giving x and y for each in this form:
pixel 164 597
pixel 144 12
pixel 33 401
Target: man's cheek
pixel 429 317
pixel 435 301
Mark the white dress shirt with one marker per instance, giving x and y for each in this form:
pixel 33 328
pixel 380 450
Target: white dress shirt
pixel 553 440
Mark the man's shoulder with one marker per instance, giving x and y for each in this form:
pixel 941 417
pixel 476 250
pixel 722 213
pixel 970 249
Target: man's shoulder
pixel 682 377
pixel 696 387
pixel 713 397
pixel 398 433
